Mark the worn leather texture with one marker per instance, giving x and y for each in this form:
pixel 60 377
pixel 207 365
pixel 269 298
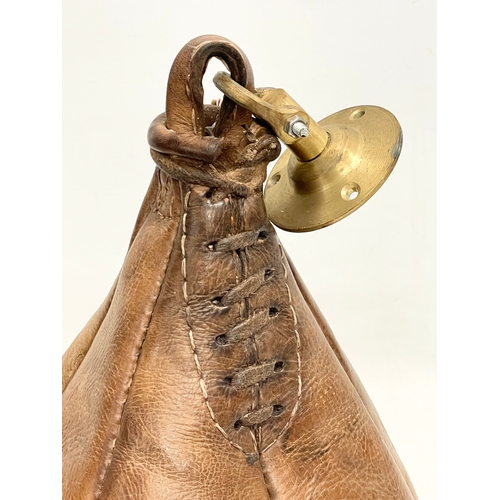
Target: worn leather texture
pixel 209 373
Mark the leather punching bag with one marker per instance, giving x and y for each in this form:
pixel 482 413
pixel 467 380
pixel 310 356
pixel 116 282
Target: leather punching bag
pixel 208 373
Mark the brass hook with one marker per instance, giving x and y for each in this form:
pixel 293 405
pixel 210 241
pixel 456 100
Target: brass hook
pixel 281 112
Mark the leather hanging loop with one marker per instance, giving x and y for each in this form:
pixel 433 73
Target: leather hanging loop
pixel 181 129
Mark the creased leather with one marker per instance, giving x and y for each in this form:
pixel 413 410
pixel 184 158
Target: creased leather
pixel 209 372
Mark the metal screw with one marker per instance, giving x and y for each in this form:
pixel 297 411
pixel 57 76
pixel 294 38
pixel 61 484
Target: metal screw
pixel 296 127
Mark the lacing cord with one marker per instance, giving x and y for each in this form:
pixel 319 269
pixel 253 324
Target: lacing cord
pixel 247 328
pixel 262 371
pixel 244 289
pixel 196 172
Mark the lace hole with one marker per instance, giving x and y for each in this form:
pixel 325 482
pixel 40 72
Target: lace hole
pixel 263 235
pixel 273 311
pixel 221 339
pixel 228 380
pixel 211 246
pixel 268 273
pixel 279 366
pixel 217 301
pixel 237 424
pixel 277 410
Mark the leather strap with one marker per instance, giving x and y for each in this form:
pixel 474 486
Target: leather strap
pixel 181 130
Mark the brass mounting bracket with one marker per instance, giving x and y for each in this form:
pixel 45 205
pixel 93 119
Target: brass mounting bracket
pixel 331 168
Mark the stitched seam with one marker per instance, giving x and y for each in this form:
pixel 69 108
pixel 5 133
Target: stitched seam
pixel 299 361
pixel 102 479
pixel 202 383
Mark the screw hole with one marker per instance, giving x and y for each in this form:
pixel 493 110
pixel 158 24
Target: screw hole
pixel 350 191
pixel 211 246
pixel 279 366
pixel 274 179
pixel 357 114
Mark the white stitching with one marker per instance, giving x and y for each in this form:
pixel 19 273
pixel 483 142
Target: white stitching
pixel 102 477
pixel 299 361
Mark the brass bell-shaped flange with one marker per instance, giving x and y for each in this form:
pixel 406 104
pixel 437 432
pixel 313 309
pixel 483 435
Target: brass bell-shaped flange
pixel 331 168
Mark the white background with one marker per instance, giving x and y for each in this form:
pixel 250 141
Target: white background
pixel 468 243
pixel 373 274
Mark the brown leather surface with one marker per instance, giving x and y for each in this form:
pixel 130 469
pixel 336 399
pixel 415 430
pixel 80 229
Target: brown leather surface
pixel 209 373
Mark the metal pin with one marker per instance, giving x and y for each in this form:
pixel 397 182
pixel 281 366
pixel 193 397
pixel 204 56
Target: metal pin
pixel 299 129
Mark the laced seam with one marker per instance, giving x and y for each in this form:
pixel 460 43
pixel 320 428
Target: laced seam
pixel 191 336
pixel 259 372
pixel 255 374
